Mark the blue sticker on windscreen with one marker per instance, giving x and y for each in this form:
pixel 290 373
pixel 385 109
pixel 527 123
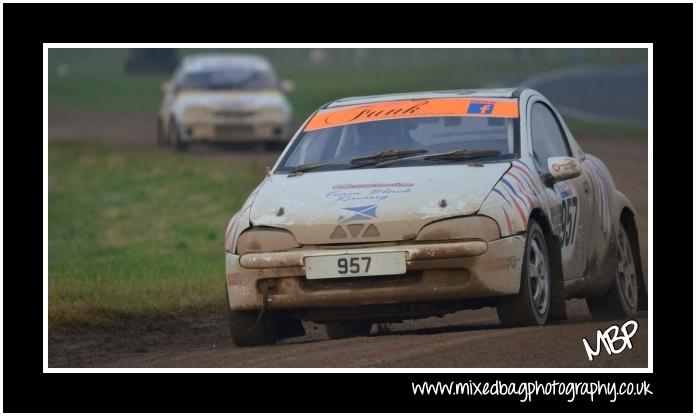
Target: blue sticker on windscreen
pixel 481 108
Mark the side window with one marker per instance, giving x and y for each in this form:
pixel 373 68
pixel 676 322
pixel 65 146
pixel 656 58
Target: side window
pixel 547 136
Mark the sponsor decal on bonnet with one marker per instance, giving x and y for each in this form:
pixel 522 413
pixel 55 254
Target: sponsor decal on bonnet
pixel 373 185
pixel 368 191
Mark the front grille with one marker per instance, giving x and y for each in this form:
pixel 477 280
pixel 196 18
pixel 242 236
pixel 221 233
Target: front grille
pixel 234 129
pixel 365 282
pixel 234 113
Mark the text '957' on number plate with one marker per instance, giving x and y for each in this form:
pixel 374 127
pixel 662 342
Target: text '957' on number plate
pixel 354 265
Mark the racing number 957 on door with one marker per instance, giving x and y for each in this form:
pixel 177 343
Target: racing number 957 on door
pixel 355 265
pixel 569 216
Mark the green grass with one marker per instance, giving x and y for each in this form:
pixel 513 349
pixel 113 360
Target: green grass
pixel 592 128
pixel 96 80
pixel 135 232
pixel 108 92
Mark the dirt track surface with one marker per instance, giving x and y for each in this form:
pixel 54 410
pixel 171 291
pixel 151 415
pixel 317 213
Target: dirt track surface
pixel 464 339
pixel 461 340
pixel 66 124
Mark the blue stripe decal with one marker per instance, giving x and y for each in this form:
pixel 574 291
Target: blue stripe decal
pixel 502 196
pixel 522 162
pixel 531 185
pixel 526 181
pixel 514 192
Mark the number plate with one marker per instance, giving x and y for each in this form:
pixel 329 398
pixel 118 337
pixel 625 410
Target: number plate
pixel 352 265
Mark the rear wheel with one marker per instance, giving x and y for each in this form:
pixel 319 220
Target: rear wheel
pixel 531 305
pixel 272 146
pixel 622 300
pixel 338 330
pixel 161 139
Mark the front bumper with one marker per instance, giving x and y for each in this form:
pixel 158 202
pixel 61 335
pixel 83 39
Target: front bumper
pixel 435 271
pixel 234 132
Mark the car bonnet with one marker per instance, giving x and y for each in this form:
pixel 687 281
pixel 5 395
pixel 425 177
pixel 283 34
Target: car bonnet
pixel 398 201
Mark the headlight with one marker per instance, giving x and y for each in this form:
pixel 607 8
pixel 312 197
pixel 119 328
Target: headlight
pixel 264 239
pixel 194 112
pixel 461 228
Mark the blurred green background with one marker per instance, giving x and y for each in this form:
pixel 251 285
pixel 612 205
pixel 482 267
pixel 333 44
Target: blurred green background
pixel 97 79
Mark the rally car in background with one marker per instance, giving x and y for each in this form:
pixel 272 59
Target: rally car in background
pixel 220 98
pixel 405 206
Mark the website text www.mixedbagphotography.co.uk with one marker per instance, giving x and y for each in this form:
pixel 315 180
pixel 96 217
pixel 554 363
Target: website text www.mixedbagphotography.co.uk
pixel 527 390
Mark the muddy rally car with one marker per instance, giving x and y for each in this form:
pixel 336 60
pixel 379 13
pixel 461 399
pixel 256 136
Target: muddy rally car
pixel 224 98
pixel 406 206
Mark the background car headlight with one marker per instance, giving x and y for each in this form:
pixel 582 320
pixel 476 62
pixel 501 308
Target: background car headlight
pixel 473 227
pixel 265 239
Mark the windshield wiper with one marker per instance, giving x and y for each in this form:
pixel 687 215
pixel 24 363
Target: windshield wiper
pixel 388 154
pixel 307 166
pixel 458 154
pixel 461 154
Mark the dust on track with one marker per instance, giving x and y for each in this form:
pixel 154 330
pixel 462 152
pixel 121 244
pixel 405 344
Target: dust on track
pixel 461 340
pixel 464 339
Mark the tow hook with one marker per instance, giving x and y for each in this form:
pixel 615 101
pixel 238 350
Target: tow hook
pixel 264 296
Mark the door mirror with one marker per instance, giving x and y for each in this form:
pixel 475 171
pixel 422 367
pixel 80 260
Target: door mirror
pixel 562 168
pixel 166 87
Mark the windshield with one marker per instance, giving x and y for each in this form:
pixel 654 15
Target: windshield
pixel 231 79
pixel 479 138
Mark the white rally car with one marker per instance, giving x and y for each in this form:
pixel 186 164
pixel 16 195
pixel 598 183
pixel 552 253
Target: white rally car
pixel 404 206
pixel 224 98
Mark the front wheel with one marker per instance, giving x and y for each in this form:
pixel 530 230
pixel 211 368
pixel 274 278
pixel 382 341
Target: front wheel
pixel 250 328
pixel 531 305
pixel 246 328
pixel 175 137
pixel 622 300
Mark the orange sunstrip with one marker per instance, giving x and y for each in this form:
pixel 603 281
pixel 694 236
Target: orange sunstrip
pixel 433 107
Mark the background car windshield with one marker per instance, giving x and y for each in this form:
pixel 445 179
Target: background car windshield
pixel 236 79
pixel 435 134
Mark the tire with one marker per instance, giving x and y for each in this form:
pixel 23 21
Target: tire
pixel 273 146
pixel 259 147
pixel 161 139
pixel 623 299
pixel 244 328
pixel 532 304
pixel 338 330
pixel 175 137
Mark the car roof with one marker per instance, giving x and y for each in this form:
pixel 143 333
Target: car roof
pixel 482 93
pixel 202 62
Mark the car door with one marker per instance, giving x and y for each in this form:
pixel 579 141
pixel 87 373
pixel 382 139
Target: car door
pixel 569 200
